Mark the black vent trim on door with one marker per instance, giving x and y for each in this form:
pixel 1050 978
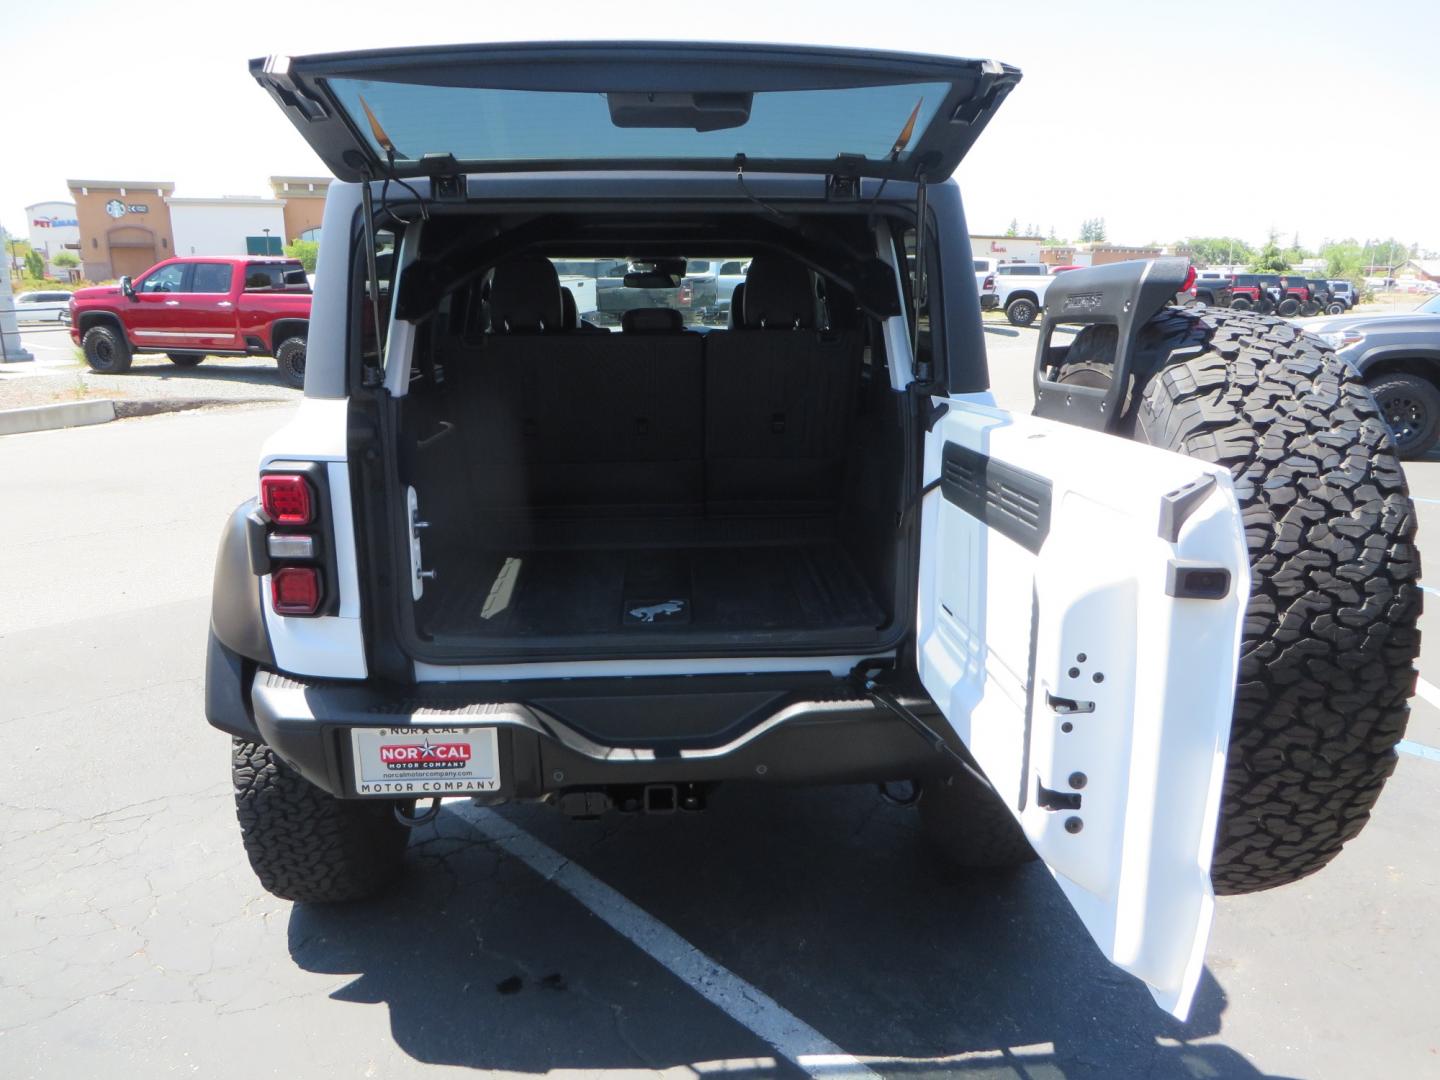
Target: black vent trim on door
pixel 1013 502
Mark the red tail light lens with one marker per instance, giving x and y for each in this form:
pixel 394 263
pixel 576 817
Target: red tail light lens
pixel 989 282
pixel 1189 280
pixel 286 498
pixel 295 590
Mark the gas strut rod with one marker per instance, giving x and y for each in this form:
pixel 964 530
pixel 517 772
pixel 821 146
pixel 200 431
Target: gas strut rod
pixel 922 375
pixel 368 212
pixel 938 743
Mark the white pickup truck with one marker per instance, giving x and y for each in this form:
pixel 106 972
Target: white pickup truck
pixel 1018 289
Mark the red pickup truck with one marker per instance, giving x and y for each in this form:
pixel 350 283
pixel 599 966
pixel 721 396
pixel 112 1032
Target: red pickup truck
pixel 197 307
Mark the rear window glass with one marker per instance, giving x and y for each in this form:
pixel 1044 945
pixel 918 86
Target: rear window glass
pixel 601 296
pixel 1022 270
pixel 487 125
pixel 211 278
pixel 271 277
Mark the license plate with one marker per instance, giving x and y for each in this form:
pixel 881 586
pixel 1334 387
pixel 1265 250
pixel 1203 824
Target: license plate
pixel 424 762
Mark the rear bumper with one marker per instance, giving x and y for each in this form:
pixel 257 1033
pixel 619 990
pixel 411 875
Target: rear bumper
pixel 562 736
pixel 989 301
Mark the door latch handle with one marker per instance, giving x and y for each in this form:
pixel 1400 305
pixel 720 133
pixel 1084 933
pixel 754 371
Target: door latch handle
pixel 224 303
pixel 172 303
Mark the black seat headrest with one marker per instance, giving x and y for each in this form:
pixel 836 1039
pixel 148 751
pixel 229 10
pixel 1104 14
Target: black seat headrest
pixel 652 320
pixel 569 313
pixel 779 294
pixel 525 296
pixel 737 307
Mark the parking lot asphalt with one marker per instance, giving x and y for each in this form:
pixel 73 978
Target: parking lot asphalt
pixel 134 940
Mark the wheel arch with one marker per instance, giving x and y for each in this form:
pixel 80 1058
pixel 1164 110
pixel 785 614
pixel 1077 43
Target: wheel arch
pixel 287 328
pixel 1401 359
pixel 1023 294
pixel 88 320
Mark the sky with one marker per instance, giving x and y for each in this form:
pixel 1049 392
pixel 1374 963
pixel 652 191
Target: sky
pixel 1167 120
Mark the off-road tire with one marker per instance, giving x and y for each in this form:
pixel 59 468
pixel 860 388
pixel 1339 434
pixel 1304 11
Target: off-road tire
pixel 1021 311
pixel 306 845
pixel 1240 304
pixel 185 359
pixel 1330 638
pixel 1288 308
pixel 1411 407
pixel 106 350
pixel 290 360
pixel 1335 307
pixel 969 826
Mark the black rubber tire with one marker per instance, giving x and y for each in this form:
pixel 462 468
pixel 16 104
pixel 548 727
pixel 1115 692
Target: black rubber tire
pixel 306 845
pixel 290 360
pixel 1335 307
pixel 967 824
pixel 185 359
pixel 1330 638
pixel 106 350
pixel 1021 311
pixel 1411 408
pixel 1240 304
pixel 1311 309
pixel 1289 307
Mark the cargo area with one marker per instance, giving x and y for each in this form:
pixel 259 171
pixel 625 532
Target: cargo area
pixel 662 487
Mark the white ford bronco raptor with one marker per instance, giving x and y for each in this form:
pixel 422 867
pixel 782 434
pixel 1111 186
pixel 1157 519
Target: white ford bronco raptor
pixel 1159 634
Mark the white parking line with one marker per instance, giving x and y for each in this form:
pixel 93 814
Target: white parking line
pixel 1428 691
pixel 791 1037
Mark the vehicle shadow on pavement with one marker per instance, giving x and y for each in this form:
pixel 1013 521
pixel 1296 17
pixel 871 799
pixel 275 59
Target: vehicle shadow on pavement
pixel 212 370
pixel 827 900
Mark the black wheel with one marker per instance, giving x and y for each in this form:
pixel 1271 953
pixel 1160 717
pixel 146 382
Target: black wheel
pixel 290 359
pixel 1240 304
pixel 1312 308
pixel 1335 307
pixel 106 350
pixel 969 826
pixel 1330 639
pixel 185 359
pixel 1411 406
pixel 306 845
pixel 1021 311
pixel 1288 307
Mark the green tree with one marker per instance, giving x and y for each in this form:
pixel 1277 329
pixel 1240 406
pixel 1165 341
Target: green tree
pixel 307 251
pixel 1013 229
pixel 34 264
pixel 66 260
pixel 1218 250
pixel 1092 231
pixel 1270 259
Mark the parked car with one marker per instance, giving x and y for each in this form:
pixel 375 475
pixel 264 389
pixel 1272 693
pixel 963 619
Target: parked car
pixel 1399 357
pixel 609 572
pixel 1213 291
pixel 1019 291
pixel 732 273
pixel 984 267
pixel 1343 297
pixel 1256 292
pixel 197 307
pixel 42 307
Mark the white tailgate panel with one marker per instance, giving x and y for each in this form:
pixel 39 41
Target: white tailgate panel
pixel 1150 739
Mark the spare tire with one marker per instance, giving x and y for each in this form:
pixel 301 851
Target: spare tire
pixel 1330 638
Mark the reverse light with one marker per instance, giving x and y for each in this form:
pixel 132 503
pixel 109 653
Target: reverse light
pixel 286 498
pixel 295 590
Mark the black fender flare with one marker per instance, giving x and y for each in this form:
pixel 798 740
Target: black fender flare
pixel 1421 354
pixel 239 641
pixel 281 329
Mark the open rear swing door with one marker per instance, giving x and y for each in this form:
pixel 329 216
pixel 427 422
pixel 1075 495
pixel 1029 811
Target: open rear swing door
pixel 1080 609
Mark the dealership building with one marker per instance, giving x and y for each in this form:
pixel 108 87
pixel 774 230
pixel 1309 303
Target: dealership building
pixel 126 226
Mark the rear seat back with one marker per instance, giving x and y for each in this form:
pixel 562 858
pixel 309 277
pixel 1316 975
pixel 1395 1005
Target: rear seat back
pixel 780 395
pixel 563 421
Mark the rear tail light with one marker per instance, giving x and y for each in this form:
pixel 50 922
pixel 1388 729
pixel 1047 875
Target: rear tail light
pixel 989 283
pixel 1189 285
pixel 286 498
pixel 295 590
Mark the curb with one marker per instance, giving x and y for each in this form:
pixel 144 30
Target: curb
pixel 103 410
pixel 63 415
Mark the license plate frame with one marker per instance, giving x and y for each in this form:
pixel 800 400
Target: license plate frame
pixel 423 762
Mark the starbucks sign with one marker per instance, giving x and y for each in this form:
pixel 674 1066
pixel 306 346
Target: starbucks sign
pixel 118 209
